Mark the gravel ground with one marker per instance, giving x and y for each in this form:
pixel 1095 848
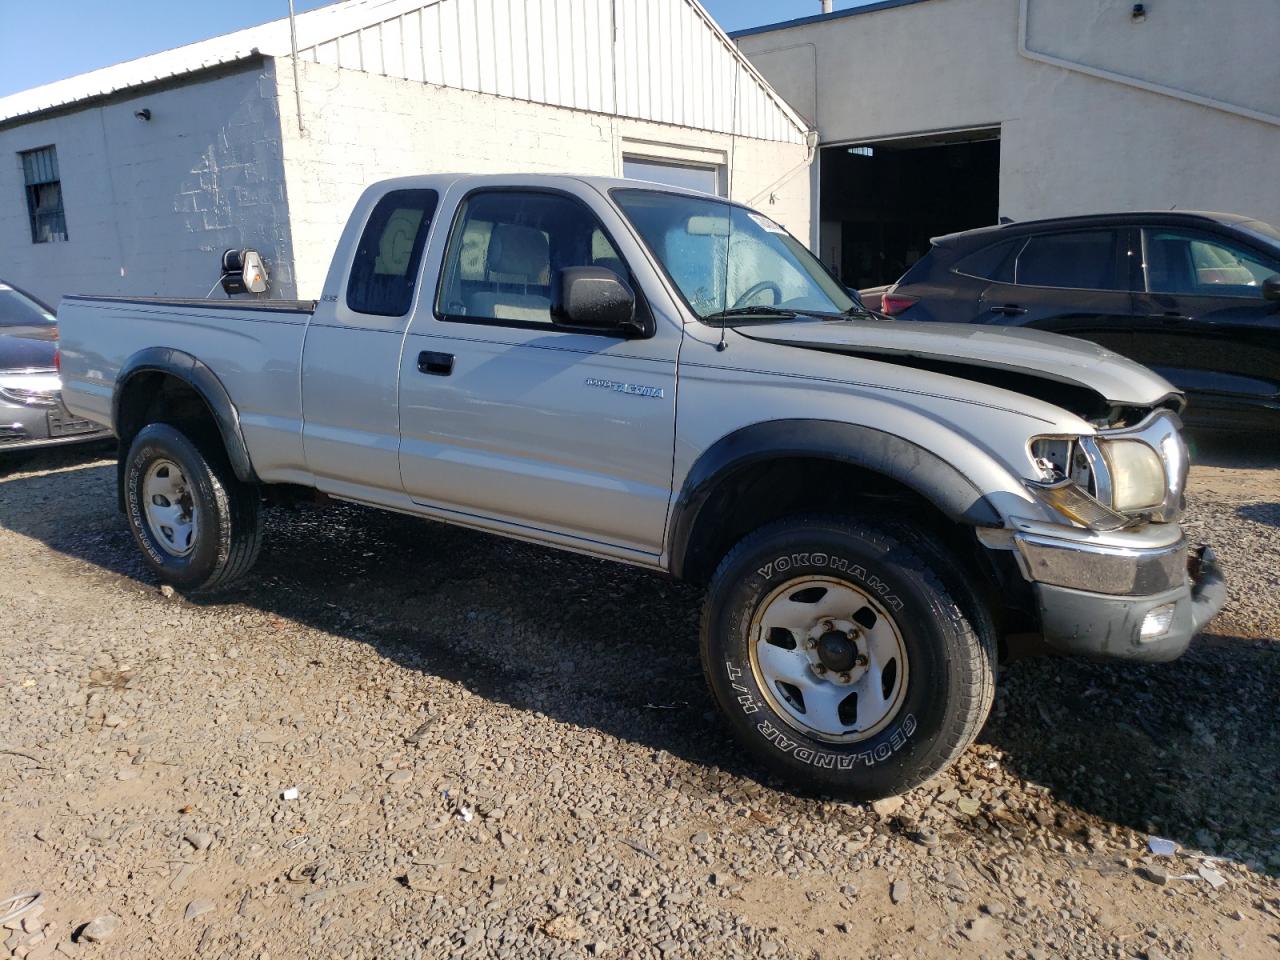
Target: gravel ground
pixel 499 750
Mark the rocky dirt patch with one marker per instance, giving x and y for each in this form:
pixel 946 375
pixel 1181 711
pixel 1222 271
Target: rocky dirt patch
pixel 406 740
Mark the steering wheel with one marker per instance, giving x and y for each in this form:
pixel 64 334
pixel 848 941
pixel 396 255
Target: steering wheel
pixel 757 288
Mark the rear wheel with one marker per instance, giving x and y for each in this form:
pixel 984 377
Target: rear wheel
pixel 842 660
pixel 198 526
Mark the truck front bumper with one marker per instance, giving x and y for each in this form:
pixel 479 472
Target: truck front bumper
pixel 1132 595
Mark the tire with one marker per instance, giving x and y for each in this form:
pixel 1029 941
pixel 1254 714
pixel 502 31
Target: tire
pixel 216 534
pixel 779 637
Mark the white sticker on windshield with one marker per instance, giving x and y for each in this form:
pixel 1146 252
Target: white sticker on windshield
pixel 765 223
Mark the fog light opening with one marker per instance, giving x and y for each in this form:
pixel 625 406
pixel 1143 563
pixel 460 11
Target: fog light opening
pixel 1157 622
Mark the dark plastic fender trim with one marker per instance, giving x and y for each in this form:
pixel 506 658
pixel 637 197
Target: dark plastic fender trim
pixel 205 382
pixel 885 453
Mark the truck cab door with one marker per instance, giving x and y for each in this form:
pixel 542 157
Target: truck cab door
pixel 1074 283
pixel 512 423
pixel 352 350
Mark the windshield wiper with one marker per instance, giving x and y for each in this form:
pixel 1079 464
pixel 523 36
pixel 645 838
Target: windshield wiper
pixel 787 313
pixel 758 310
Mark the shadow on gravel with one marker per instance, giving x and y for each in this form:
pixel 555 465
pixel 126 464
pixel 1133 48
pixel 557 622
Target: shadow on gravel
pixel 1268 513
pixel 587 642
pixel 1190 749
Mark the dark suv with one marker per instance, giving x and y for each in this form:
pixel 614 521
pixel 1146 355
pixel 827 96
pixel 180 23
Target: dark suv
pixel 1194 296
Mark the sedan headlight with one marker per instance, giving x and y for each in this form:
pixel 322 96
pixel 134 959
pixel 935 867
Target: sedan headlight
pixel 30 389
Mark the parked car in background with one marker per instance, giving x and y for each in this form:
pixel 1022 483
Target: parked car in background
pixel 31 411
pixel 872 297
pixel 1193 296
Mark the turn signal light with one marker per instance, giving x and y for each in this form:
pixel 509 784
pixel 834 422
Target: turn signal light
pixel 893 304
pixel 1077 505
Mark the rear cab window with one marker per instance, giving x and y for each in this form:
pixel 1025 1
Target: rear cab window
pixel 384 271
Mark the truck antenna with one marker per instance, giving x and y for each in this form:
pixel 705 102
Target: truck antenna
pixel 728 235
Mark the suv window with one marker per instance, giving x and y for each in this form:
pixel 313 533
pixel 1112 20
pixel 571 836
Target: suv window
pixel 992 263
pixel 506 249
pixel 1177 261
pixel 1080 260
pixel 385 268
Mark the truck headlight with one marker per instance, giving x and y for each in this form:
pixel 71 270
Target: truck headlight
pixel 1137 475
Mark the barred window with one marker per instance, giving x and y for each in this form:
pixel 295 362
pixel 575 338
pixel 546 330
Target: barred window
pixel 44 195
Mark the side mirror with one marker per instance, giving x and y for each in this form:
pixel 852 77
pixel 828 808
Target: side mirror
pixel 1271 287
pixel 595 298
pixel 243 272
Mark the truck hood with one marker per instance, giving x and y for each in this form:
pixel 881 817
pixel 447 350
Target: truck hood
pixel 1082 377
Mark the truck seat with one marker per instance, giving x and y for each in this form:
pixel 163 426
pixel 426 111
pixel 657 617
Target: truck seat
pixel 517 268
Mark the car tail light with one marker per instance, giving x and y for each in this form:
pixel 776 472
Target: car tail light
pixel 57 360
pixel 893 304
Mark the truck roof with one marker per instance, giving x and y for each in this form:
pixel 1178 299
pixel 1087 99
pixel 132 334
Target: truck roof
pixel 442 181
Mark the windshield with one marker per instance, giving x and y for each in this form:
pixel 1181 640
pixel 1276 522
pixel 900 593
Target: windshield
pixel 728 260
pixel 19 310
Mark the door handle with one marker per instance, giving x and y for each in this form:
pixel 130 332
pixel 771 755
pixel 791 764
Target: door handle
pixel 1008 310
pixel 439 364
pixel 1174 319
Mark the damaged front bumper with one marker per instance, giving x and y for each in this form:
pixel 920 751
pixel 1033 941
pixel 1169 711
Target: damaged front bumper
pixel 1129 594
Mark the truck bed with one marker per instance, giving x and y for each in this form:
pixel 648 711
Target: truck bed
pixel 252 347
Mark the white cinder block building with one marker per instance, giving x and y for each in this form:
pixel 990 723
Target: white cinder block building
pixel 132 179
pixel 938 115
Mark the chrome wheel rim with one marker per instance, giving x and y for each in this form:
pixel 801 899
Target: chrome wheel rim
pixel 170 508
pixel 829 658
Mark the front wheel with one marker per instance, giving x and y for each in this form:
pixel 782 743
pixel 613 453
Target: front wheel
pixel 197 524
pixel 842 660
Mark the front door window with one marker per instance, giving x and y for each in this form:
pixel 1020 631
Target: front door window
pixel 1196 264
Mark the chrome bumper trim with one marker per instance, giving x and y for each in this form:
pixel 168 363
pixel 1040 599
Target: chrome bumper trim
pixel 1136 568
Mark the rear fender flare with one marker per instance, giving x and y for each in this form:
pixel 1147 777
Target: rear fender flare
pixel 195 374
pixel 875 450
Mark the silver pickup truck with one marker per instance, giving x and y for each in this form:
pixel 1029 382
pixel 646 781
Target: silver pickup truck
pixel 669 380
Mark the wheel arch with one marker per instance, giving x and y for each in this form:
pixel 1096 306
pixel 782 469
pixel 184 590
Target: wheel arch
pixel 826 449
pixel 132 402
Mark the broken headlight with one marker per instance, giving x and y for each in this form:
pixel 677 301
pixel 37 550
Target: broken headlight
pixel 1063 458
pixel 1137 476
pixel 1098 482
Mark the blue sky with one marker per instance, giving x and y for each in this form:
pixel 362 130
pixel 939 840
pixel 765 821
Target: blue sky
pixel 49 40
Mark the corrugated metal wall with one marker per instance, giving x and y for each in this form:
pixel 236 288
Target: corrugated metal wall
pixel 660 60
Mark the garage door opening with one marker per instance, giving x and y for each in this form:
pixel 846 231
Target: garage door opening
pixel 881 202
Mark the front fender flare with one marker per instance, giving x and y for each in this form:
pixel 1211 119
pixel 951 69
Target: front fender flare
pixel 203 381
pixel 885 453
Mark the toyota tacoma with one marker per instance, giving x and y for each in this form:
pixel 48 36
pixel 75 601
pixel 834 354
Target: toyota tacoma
pixel 670 380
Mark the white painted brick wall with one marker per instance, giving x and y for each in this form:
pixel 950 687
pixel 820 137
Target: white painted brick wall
pixel 151 205
pixel 359 128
